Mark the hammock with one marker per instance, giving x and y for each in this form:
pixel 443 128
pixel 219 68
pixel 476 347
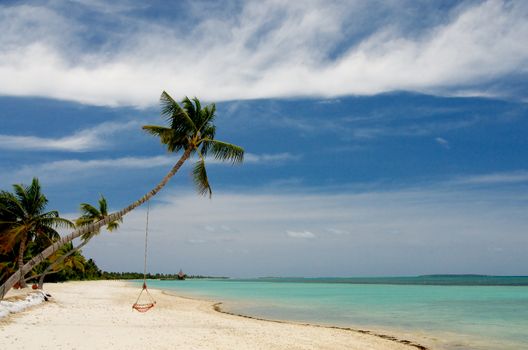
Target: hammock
pixel 144 306
pixel 148 302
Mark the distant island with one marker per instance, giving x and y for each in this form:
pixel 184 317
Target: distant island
pixel 438 280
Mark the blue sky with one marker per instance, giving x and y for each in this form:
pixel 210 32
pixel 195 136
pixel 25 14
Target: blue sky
pixel 381 138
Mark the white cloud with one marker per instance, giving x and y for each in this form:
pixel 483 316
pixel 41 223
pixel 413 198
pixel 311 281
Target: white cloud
pixel 442 142
pixel 264 49
pixel 495 178
pixel 195 241
pixel 270 158
pixel 300 234
pixel 84 140
pixel 337 231
pixel 73 169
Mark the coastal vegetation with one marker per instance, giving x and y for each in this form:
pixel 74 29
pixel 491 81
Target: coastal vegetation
pixel 27 229
pixel 89 214
pixel 26 226
pixel 190 130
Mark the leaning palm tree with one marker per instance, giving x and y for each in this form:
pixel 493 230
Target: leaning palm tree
pixel 89 214
pixel 24 218
pixel 190 130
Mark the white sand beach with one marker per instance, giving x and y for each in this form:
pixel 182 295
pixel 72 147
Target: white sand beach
pixel 98 315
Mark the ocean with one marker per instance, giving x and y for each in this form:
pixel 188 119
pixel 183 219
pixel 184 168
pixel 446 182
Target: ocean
pixel 442 312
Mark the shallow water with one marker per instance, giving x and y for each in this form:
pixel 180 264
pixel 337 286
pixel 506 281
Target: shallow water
pixel 482 317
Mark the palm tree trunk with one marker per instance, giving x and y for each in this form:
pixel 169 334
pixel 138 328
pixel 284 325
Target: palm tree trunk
pixel 21 251
pixel 22 271
pixel 56 263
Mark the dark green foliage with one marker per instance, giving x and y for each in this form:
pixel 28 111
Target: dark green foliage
pixel 25 226
pixel 153 276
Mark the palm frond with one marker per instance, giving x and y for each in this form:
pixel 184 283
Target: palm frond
pixel 174 139
pixel 189 107
pixel 78 264
pixel 207 134
pixel 53 220
pixel 30 197
pixel 178 117
pixel 46 233
pixel 8 240
pixel 198 105
pixel 37 200
pixel 10 206
pixel 112 226
pixel 82 221
pixel 103 206
pixel 224 151
pixel 89 235
pixel 200 178
pixel 207 116
pixel 89 210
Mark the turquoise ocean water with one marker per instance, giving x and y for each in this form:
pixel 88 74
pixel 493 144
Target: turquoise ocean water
pixel 444 312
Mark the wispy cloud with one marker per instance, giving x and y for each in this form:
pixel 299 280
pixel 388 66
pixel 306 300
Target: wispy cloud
pixel 270 158
pixel 75 169
pixel 337 231
pixel 259 49
pixel 442 142
pixel 71 169
pixel 84 140
pixel 195 241
pixel 300 234
pixel 494 178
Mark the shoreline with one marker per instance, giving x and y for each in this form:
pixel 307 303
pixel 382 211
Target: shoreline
pixel 96 314
pixel 216 306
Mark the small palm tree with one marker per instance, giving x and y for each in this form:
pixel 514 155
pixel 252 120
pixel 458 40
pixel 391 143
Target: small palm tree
pixel 24 219
pixel 74 261
pixel 66 258
pixel 89 214
pixel 190 130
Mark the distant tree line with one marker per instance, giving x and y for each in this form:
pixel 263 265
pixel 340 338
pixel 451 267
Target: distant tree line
pixel 157 276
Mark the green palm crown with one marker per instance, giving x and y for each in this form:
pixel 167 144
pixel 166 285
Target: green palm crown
pixel 191 129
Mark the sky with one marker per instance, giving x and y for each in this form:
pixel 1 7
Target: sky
pixel 382 137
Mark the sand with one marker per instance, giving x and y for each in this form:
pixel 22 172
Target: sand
pixel 98 315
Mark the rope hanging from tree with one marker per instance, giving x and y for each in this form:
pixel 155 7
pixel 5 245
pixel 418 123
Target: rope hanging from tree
pixel 145 306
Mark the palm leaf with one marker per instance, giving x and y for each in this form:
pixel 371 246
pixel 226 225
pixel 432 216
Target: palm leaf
pixel 178 117
pixel 52 219
pixel 189 108
pixel 207 116
pixel 174 139
pixel 224 151
pixel 112 226
pixel 200 178
pixel 103 206
pixel 8 240
pixel 89 211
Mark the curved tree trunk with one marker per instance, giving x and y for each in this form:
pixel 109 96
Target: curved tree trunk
pixel 21 251
pixel 22 271
pixel 49 270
